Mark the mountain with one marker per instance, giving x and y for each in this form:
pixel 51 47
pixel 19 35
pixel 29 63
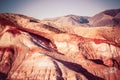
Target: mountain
pixel 33 50
pixel 69 20
pixel 106 18
pixel 75 24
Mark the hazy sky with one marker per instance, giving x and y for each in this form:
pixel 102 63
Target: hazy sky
pixel 52 8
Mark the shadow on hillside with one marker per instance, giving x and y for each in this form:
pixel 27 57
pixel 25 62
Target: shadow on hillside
pixel 79 69
pixel 3 76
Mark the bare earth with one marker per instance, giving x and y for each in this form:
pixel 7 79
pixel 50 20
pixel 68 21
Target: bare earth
pixel 33 50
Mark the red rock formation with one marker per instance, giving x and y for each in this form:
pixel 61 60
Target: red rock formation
pixel 32 50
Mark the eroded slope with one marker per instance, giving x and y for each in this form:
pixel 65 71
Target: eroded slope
pixel 32 50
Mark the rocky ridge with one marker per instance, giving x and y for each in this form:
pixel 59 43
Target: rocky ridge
pixel 32 50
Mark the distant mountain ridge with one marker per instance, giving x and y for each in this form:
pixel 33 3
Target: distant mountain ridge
pixel 70 20
pixel 106 18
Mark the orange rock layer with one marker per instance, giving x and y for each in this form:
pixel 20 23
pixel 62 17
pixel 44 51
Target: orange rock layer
pixel 35 51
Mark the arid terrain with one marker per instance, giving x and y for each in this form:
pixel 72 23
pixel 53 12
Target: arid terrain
pixel 64 48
